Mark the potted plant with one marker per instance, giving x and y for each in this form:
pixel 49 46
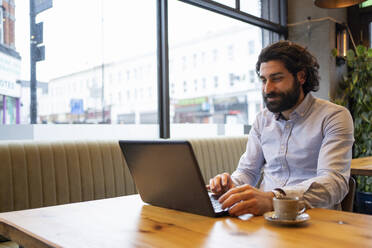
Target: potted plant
pixel 355 93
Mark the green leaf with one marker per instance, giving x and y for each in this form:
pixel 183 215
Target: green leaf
pixel 355 77
pixel 361 50
pixel 369 180
pixel 350 55
pixel 369 53
pixel 355 92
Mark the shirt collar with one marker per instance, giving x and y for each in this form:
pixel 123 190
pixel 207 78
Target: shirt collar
pixel 301 109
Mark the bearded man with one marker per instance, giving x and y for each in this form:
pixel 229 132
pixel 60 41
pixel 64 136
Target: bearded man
pixel 300 144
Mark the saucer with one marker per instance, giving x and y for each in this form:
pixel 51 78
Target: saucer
pixel 270 216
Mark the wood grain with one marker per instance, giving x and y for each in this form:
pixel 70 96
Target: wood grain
pixel 128 222
pixel 361 166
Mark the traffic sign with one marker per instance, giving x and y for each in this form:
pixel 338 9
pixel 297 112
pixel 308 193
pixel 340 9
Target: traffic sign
pixel 41 5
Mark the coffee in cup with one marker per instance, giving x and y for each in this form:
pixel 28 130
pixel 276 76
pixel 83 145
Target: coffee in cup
pixel 288 208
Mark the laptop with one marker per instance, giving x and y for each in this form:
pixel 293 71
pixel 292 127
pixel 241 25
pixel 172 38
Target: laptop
pixel 167 174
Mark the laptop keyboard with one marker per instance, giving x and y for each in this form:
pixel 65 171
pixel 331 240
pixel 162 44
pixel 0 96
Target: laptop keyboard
pixel 217 206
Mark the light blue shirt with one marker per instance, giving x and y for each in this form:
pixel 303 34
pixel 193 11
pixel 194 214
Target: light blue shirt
pixel 307 156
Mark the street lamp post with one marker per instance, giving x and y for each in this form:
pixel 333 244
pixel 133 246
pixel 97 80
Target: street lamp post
pixel 33 96
pixel 37 53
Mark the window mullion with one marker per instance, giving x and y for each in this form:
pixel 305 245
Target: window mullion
pixel 163 68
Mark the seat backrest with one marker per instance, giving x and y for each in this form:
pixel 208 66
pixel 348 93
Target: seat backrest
pixel 45 173
pixel 348 202
pixel 219 154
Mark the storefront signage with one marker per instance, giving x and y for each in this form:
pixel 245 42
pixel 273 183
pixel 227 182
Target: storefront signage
pixel 77 106
pixel 10 70
pixel 192 101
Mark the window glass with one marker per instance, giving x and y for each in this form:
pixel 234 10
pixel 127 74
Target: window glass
pixel 100 63
pixel 215 88
pixel 100 67
pixel 252 7
pixel 266 9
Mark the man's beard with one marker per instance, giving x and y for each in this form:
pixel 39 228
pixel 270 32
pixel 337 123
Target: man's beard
pixel 286 100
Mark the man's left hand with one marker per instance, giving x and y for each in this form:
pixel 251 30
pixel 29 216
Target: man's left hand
pixel 246 199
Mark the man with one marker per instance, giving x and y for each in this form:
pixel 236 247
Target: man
pixel 302 144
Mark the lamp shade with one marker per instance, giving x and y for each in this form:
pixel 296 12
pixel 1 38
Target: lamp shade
pixel 333 4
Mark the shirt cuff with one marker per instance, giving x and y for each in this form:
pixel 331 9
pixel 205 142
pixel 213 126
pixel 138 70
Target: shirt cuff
pixel 294 191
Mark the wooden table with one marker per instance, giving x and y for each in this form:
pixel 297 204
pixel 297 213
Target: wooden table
pixel 361 166
pixel 128 222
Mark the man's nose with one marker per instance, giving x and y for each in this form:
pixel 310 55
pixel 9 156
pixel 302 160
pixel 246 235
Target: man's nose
pixel 268 87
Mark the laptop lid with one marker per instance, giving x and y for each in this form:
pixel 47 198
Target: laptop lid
pixel 167 174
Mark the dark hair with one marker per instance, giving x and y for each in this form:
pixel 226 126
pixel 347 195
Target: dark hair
pixel 295 58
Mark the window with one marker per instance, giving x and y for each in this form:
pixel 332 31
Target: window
pixel 231 100
pixel 204 83
pixel 195 60
pixel 251 48
pixel 230 52
pixel 215 55
pixel 101 57
pixel 116 70
pixel 184 65
pixel 203 57
pixel 252 76
pixel 215 80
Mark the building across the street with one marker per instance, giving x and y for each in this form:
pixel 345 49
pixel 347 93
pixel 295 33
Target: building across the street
pixel 10 66
pixel 207 84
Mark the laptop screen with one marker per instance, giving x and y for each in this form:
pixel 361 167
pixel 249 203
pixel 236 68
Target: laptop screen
pixel 167 174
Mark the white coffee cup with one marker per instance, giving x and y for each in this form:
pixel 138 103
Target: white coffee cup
pixel 288 208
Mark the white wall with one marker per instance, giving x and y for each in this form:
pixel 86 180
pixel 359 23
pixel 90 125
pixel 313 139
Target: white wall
pixel 319 38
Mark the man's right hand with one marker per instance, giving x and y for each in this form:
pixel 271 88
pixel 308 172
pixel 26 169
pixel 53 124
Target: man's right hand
pixel 221 184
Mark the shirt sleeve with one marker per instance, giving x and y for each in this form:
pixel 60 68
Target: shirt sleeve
pixel 330 186
pixel 252 160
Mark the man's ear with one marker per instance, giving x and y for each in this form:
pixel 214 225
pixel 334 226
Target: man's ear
pixel 301 77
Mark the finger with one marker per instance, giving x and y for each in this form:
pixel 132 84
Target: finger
pixel 233 191
pixel 236 198
pixel 231 200
pixel 217 184
pixel 211 184
pixel 225 179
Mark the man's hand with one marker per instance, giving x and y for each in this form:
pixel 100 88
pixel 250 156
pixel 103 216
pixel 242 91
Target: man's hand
pixel 221 184
pixel 246 199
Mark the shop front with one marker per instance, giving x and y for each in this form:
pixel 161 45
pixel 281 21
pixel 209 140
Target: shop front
pixel 231 109
pixel 10 90
pixel 192 110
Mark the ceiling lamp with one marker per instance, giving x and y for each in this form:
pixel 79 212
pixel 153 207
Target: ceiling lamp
pixel 333 4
